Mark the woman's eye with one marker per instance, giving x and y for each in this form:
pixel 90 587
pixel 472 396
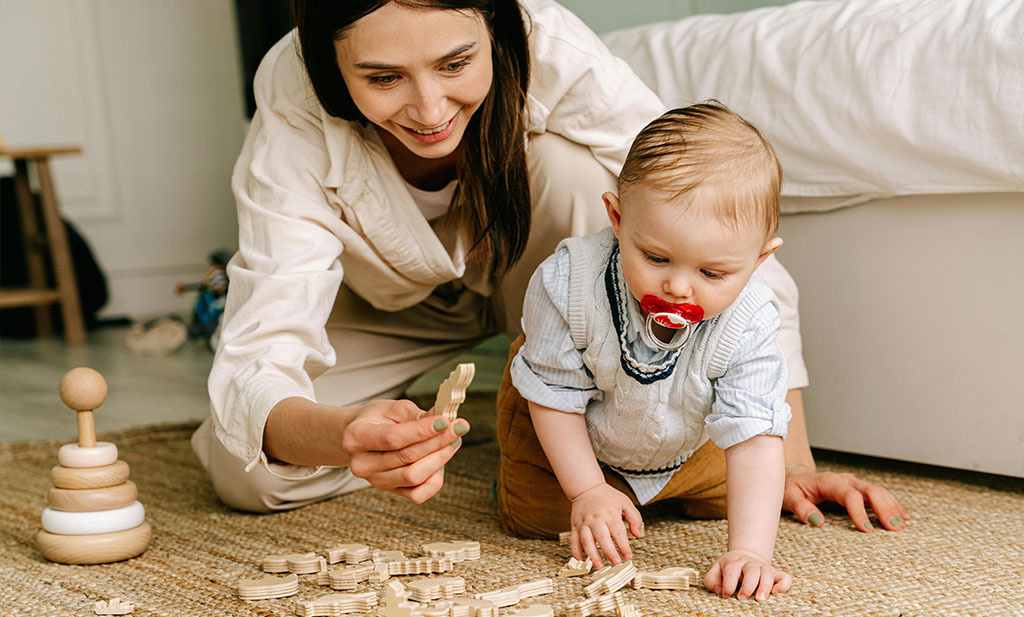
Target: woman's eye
pixel 456 66
pixel 383 79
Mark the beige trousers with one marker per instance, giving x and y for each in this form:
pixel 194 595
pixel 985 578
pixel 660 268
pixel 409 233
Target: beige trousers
pixel 382 353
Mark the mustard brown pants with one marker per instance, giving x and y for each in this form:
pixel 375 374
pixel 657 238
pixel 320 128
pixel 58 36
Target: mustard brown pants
pixel 530 500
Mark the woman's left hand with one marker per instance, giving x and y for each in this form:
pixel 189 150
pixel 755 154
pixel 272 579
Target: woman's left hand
pixel 805 488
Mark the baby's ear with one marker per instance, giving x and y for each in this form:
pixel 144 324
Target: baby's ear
pixel 611 205
pixel 770 247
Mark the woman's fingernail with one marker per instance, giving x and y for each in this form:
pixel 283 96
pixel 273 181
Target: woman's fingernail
pixel 815 519
pixel 440 424
pixel 455 444
pixel 868 525
pixel 461 428
pixel 896 520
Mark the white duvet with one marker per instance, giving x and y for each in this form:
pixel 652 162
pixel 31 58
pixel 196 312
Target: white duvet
pixel 861 98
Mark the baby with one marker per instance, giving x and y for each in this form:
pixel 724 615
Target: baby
pixel 650 369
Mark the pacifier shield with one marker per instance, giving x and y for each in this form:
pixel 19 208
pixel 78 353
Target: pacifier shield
pixel 671 315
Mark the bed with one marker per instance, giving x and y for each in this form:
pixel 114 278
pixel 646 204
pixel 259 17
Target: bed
pixel 899 127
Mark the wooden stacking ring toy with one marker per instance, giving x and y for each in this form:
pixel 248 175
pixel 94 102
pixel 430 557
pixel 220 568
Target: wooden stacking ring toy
pixel 93 514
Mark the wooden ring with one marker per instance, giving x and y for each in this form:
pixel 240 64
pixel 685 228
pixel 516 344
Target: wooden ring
pixel 93 499
pixel 88 523
pixel 74 455
pixel 90 477
pixel 97 548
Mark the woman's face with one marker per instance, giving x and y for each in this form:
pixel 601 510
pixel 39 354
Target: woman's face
pixel 419 74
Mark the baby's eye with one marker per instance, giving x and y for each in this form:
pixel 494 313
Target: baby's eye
pixel 384 80
pixel 711 274
pixel 654 259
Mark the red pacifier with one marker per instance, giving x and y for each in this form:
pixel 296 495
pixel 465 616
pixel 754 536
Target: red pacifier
pixel 675 316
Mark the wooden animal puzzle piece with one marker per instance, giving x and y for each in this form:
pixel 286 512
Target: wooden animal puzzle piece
pixel 604 603
pixel 430 589
pixel 94 548
pixel 507 596
pixel 452 391
pixel 88 523
pixel 563 538
pixel 334 604
pixel 610 579
pixel 92 499
pixel 114 607
pixel 386 556
pixel 534 610
pixel 90 477
pixel 344 577
pixel 456 550
pixel 575 567
pixel 268 586
pixel 473 607
pixel 669 578
pixel 296 563
pixel 422 565
pixel 350 553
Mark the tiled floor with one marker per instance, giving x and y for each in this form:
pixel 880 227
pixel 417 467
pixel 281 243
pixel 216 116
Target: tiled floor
pixel 144 389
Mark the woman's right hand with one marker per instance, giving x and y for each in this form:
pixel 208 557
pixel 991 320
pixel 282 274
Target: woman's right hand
pixel 399 448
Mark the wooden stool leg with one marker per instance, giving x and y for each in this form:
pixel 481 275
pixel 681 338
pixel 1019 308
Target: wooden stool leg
pixel 33 245
pixel 63 269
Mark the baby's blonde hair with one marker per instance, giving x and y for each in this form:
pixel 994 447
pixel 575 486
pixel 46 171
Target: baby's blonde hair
pixel 711 148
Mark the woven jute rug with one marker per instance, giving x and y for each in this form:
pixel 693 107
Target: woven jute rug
pixel 962 554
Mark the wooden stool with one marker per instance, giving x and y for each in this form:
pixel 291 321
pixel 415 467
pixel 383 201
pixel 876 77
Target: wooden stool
pixel 56 242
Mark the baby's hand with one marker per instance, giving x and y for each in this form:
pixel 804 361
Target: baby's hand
pixel 596 518
pixel 745 572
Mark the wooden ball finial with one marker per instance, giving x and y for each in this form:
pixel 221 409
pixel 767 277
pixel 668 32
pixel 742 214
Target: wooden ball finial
pixel 83 389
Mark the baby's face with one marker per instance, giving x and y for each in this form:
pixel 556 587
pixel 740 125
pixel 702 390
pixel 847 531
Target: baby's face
pixel 680 254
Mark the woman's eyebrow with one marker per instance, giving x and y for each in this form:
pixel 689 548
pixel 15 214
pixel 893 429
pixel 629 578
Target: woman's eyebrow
pixel 384 66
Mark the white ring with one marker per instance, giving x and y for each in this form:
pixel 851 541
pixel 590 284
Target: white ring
pixel 100 521
pixel 658 343
pixel 74 455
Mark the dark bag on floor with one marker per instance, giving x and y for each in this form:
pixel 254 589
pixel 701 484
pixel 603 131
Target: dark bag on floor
pixel 20 322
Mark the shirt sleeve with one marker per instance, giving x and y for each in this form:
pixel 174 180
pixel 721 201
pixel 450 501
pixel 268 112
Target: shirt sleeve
pixel 580 90
pixel 548 369
pixel 286 273
pixel 750 397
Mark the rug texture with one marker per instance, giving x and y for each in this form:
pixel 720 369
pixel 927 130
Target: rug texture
pixel 961 554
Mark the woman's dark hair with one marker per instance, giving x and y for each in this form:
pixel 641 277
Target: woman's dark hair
pixel 492 203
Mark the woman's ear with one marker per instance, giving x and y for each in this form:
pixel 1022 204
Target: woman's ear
pixel 770 247
pixel 611 204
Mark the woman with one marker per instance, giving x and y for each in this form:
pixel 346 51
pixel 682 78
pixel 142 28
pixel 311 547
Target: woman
pixel 409 165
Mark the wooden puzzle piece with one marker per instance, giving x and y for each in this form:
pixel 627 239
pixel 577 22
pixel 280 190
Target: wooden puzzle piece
pixel 395 601
pixel 456 550
pixel 268 586
pixel 507 596
pixel 386 556
pixel 422 565
pixel 473 607
pixel 669 578
pixel 604 603
pixel 430 589
pixel 534 610
pixel 334 604
pixel 114 607
pixel 452 391
pixel 575 567
pixel 563 538
pixel 350 554
pixel 610 579
pixel 343 577
pixel 296 563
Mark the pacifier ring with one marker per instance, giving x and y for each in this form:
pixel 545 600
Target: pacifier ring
pixel 660 345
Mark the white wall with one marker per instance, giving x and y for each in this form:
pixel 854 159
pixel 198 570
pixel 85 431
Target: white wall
pixel 607 15
pixel 152 92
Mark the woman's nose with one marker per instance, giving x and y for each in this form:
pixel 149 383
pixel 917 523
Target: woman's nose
pixel 427 105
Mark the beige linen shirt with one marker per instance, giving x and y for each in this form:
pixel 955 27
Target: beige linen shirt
pixel 320 201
